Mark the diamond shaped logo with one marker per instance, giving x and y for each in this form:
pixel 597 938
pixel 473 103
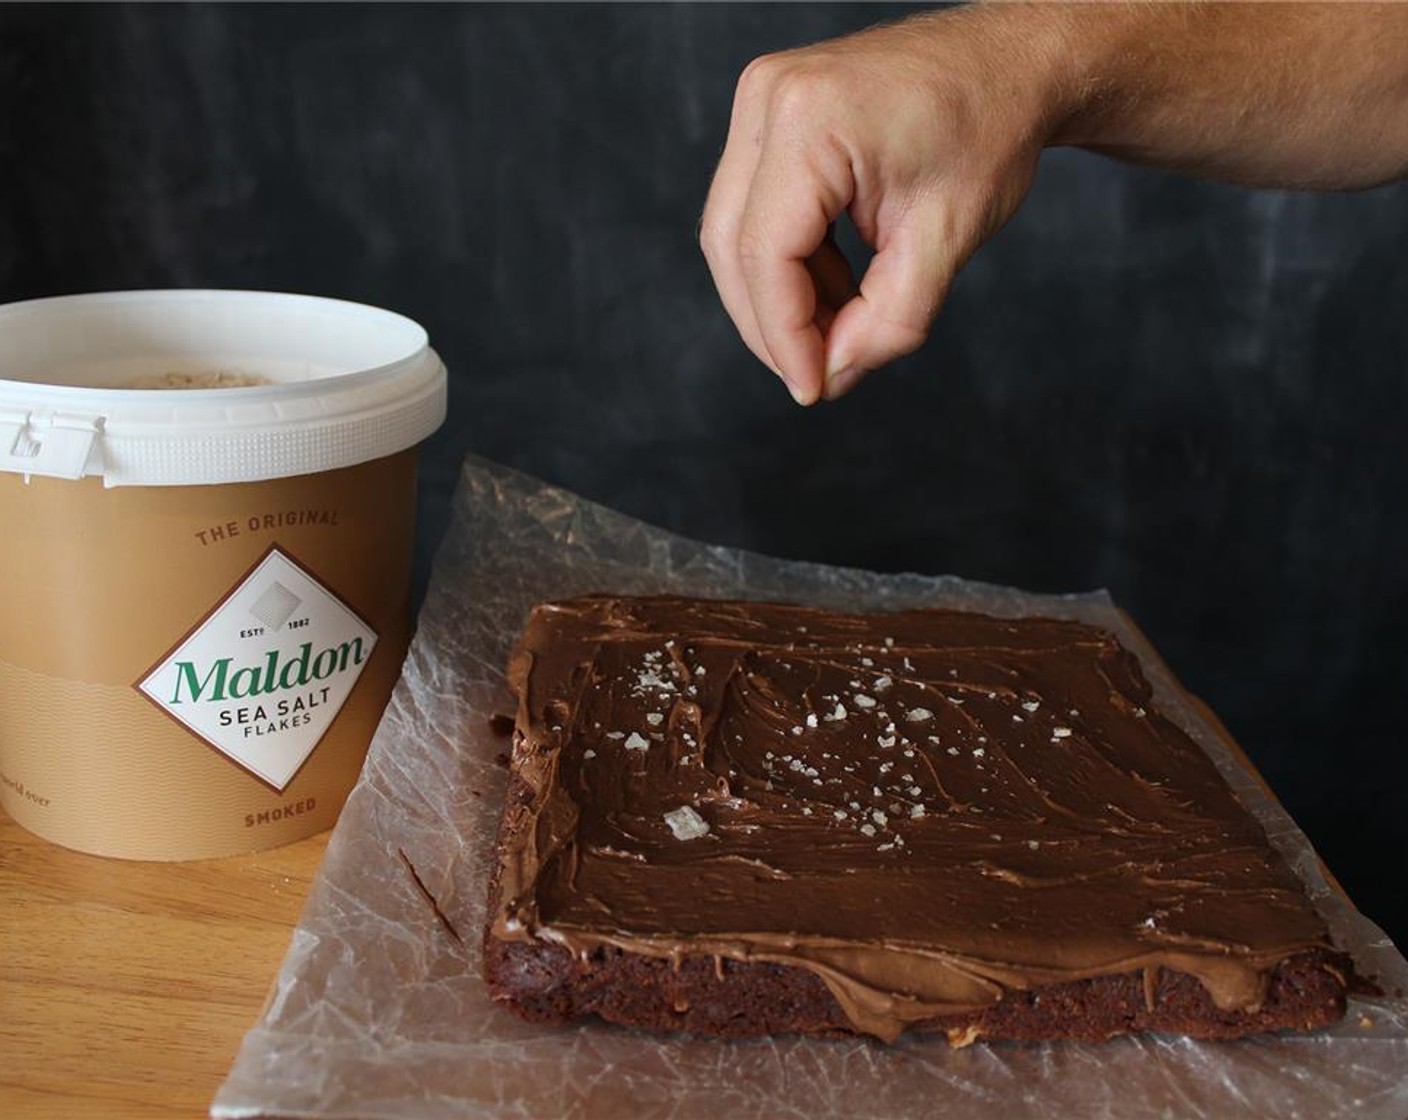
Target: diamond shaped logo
pixel 275 606
pixel 264 674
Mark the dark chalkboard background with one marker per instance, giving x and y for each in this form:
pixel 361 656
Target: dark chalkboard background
pixel 1191 394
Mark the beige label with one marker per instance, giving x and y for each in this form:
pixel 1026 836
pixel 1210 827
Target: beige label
pixel 102 585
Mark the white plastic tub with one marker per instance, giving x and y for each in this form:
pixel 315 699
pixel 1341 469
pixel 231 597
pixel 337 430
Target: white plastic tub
pixel 205 590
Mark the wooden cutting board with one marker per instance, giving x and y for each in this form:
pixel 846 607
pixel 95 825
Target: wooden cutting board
pixel 125 988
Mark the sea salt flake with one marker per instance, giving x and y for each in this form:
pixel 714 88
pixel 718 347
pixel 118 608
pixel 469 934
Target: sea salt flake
pixel 978 752
pixel 589 753
pixel 649 678
pixel 882 683
pixel 1060 732
pixel 686 823
pixel 637 742
pixel 868 829
pixel 655 719
pixel 838 714
pixel 915 791
pixel 797 730
pixel 811 719
pixel 863 701
pixel 867 662
pixel 918 715
pixel 839 814
pixel 879 818
pixel 1016 718
pixel 889 643
pixel 1031 705
pixel 886 740
pixel 885 847
pixel 1033 844
pixel 615 734
pixel 916 811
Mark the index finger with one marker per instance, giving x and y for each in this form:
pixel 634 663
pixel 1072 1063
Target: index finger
pixel 789 210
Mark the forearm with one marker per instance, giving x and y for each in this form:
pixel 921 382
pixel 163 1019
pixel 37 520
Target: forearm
pixel 1279 95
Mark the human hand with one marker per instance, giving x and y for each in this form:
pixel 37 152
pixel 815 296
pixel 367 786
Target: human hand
pixel 926 133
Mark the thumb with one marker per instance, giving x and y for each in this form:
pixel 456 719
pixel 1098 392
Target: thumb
pixel 893 310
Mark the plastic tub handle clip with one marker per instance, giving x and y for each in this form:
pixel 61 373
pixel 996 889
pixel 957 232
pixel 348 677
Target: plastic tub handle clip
pixel 56 447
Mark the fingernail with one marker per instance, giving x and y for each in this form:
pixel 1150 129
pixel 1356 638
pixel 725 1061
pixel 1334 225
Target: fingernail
pixel 799 394
pixel 842 382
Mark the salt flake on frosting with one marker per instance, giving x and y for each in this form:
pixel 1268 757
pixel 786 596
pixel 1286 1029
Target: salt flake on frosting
pixel 686 823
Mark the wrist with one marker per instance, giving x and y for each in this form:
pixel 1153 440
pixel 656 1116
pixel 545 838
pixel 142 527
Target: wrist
pixel 1059 66
pixel 1101 55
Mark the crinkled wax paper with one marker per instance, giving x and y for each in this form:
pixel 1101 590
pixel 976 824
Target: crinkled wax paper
pixel 379 1011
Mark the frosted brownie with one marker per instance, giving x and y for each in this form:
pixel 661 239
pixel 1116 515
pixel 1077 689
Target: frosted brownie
pixel 743 818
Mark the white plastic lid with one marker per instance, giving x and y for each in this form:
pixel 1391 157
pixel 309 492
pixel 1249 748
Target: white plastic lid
pixel 345 384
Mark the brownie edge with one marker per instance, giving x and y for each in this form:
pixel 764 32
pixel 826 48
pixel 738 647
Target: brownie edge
pixel 740 819
pixel 737 999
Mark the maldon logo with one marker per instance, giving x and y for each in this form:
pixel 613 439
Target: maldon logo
pixel 262 678
pixel 218 683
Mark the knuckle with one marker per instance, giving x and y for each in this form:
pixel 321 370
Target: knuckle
pixel 802 93
pixel 901 336
pixel 707 236
pixel 758 75
pixel 791 85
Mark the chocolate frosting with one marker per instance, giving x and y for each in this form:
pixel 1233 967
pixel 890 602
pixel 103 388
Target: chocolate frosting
pixel 925 808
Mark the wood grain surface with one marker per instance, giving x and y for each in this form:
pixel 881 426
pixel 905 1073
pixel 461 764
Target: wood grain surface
pixel 125 988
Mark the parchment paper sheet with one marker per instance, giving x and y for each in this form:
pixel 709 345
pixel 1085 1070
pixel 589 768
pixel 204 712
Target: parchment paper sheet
pixel 378 1010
